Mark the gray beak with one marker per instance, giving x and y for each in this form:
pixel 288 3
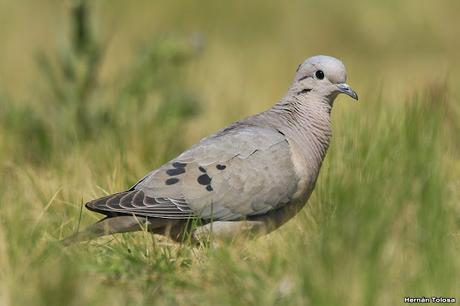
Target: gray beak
pixel 346 89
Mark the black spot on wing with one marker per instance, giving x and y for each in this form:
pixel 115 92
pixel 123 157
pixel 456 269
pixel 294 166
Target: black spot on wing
pixel 171 181
pixel 221 167
pixel 204 179
pixel 209 188
pixel 202 169
pixel 179 165
pixel 175 171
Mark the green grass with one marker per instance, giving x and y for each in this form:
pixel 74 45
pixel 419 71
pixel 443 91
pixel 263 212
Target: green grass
pixel 113 102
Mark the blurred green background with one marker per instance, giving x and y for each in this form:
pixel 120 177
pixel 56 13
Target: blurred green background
pixel 95 94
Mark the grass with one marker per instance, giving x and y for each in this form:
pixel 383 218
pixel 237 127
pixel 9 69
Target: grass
pixel 382 224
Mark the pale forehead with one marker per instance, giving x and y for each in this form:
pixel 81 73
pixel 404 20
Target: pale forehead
pixel 333 68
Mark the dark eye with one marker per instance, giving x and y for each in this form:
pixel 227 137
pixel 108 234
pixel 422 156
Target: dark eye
pixel 319 74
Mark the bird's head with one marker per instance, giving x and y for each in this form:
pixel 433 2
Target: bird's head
pixel 322 76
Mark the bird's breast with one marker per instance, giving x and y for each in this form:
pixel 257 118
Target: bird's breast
pixel 306 169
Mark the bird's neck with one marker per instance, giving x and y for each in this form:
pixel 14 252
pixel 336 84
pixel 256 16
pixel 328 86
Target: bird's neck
pixel 305 119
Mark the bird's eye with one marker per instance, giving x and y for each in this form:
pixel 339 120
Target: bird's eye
pixel 319 74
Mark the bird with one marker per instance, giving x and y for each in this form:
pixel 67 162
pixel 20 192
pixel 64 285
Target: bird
pixel 248 178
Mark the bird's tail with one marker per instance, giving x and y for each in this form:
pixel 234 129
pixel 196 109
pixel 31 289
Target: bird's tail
pixel 107 226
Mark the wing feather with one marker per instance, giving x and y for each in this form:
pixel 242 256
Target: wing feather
pixel 231 175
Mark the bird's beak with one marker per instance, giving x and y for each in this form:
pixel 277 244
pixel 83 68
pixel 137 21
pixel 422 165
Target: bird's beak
pixel 346 89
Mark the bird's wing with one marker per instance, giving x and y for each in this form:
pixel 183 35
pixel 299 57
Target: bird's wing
pixel 236 173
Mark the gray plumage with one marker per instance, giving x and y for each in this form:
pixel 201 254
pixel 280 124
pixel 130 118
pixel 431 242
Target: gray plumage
pixel 252 175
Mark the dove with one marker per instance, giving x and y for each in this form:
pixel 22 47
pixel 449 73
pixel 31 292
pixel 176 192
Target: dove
pixel 250 177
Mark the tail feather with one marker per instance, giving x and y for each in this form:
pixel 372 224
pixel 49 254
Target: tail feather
pixel 111 225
